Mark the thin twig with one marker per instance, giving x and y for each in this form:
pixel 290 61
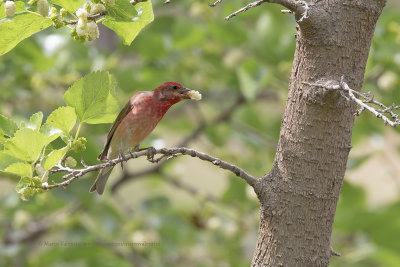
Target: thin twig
pixel 90 17
pixel 134 2
pixel 215 3
pixel 297 7
pixel 73 174
pixel 244 9
pixel 362 101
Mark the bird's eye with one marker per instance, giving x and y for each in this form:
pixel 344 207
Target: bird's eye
pixel 175 87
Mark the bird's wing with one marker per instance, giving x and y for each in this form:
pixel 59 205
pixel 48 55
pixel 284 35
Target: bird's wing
pixel 125 111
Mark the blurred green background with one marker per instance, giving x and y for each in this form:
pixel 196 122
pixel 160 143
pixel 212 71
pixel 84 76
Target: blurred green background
pixel 194 213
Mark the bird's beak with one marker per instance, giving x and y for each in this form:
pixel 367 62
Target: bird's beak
pixel 187 93
pixel 184 93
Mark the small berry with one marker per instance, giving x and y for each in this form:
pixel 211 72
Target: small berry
pixel 70 162
pixel 92 30
pixel 82 14
pixel 97 8
pixel 9 9
pixel 81 27
pixel 43 7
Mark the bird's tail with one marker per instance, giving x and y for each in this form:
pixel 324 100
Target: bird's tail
pixel 101 180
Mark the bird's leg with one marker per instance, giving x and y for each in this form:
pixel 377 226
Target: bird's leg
pixel 121 156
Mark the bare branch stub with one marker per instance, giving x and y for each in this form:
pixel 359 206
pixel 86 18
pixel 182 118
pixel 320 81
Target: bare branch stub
pixel 73 174
pixel 299 8
pixel 363 99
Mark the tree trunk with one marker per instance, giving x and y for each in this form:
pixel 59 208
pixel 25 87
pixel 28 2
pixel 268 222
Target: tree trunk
pixel 299 195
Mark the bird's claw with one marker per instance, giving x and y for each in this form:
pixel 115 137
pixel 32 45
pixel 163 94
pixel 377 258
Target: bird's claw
pixel 121 157
pixel 151 151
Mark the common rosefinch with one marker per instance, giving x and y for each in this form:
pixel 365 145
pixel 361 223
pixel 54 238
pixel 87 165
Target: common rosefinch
pixel 136 121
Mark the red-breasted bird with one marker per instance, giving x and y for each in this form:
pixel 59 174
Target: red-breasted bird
pixel 136 121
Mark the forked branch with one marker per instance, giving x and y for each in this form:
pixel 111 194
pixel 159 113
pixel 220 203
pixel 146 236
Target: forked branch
pixel 365 101
pixel 299 8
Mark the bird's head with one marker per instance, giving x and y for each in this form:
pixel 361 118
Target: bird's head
pixel 173 92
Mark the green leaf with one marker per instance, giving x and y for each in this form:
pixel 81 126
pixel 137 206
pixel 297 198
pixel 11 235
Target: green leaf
pixel 50 132
pixel 21 169
pixel 128 20
pixel 70 5
pixel 28 187
pixel 54 157
pixel 93 98
pixel 21 26
pixel 63 118
pixel 35 121
pixel 7 127
pixel 26 144
pixel 6 160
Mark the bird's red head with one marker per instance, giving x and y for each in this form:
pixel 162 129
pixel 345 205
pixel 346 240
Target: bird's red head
pixel 172 92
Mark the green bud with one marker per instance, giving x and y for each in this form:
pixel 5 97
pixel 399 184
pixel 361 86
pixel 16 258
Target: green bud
pixel 86 6
pixel 63 13
pixel 79 145
pixel 32 2
pixel 73 32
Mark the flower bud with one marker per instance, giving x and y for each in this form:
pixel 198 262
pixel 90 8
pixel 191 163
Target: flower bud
pixel 97 8
pixel 9 9
pixel 43 7
pixel 92 30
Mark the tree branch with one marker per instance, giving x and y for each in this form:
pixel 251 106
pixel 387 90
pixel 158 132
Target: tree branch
pixel 363 101
pixel 150 153
pixel 299 8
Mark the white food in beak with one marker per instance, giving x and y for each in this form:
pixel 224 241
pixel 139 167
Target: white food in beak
pixel 194 95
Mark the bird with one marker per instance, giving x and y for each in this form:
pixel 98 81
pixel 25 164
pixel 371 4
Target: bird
pixel 136 121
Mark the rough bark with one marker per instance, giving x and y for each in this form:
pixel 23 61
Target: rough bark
pixel 299 195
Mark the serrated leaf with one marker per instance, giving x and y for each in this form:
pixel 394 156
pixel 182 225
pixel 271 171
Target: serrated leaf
pixel 7 127
pixel 63 118
pixel 54 157
pixel 20 168
pixel 50 132
pixel 35 121
pixel 29 187
pixel 128 20
pixel 6 160
pixel 26 144
pixel 93 98
pixel 21 26
pixel 70 5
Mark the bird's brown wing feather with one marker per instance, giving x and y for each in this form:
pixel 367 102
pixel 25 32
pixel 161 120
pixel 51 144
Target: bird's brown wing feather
pixel 125 111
